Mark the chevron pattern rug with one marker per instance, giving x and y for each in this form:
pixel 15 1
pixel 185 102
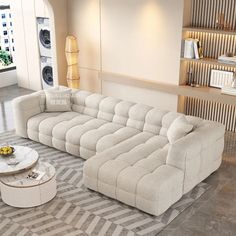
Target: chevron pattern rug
pixel 78 211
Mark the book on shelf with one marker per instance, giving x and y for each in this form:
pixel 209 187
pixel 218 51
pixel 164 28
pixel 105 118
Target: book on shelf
pixel 229 90
pixel 228 60
pixel 188 49
pixel 192 49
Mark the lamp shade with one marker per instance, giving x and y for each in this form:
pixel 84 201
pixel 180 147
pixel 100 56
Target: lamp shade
pixel 73 72
pixel 71 51
pixel 72 83
pixel 71 44
pixel 72 58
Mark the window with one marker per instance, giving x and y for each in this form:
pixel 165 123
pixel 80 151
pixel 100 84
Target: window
pixel 6 36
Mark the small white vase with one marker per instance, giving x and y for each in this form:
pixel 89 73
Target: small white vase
pixel 234 84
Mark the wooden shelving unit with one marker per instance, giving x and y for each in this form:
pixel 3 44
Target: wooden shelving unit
pixel 209 61
pixel 207 30
pixel 200 22
pixel 208 93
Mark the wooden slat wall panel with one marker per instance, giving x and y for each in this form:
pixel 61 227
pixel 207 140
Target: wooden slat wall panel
pixel 202 72
pixel 209 110
pixel 205 12
pixel 215 44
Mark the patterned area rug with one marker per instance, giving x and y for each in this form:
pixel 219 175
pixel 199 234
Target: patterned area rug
pixel 78 211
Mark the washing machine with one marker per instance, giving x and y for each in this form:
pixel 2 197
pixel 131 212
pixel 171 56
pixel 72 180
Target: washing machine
pixel 44 39
pixel 46 72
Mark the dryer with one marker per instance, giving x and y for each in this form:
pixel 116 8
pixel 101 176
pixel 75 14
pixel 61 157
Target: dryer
pixel 46 72
pixel 44 39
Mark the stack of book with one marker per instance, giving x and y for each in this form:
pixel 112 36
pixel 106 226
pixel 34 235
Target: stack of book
pixel 229 90
pixel 229 60
pixel 192 49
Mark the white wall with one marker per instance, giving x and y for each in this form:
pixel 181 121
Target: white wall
pixel 8 78
pixel 41 9
pixel 135 38
pixel 84 23
pixel 145 96
pixel 142 38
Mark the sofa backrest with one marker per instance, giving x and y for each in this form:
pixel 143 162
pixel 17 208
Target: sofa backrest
pixel 139 116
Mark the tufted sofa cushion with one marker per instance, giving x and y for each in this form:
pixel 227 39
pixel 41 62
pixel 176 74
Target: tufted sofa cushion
pixel 75 133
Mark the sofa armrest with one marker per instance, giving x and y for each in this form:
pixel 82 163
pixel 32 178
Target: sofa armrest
pixel 192 144
pixel 25 107
pixel 199 153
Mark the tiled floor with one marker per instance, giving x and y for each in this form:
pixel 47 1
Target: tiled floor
pixel 213 214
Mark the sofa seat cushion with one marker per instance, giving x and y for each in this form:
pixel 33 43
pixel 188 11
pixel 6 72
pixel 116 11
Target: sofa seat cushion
pixel 44 123
pixel 126 169
pixel 34 122
pixel 115 138
pixel 90 139
pixel 60 130
pixel 66 127
pixel 46 126
pixel 142 153
pixel 76 133
pixel 96 136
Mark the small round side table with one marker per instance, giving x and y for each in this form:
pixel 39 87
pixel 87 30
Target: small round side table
pixel 17 189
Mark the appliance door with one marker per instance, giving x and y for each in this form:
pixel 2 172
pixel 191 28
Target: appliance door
pixel 47 75
pixel 44 38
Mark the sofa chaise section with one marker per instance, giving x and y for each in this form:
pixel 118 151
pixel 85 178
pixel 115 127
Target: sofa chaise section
pixel 135 172
pixel 152 174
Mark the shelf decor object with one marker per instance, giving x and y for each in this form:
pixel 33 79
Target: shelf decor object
pixel 72 51
pixel 220 79
pixel 229 90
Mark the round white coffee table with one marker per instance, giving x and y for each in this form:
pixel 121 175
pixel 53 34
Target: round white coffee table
pixel 20 191
pixel 23 158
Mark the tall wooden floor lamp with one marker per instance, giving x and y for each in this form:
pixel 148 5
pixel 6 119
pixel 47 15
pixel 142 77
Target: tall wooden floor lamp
pixel 72 51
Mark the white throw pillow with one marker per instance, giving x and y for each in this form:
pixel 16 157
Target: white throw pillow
pixel 178 129
pixel 58 99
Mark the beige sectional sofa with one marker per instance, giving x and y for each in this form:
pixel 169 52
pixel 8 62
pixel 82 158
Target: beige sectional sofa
pixel 130 156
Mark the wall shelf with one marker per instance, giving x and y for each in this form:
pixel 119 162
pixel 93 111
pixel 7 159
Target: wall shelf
pixel 207 93
pixel 210 61
pixel 208 30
